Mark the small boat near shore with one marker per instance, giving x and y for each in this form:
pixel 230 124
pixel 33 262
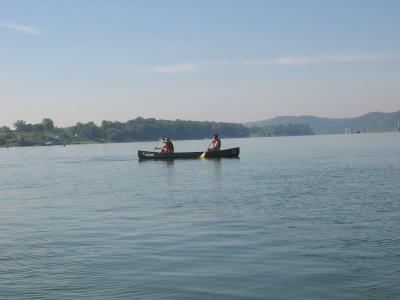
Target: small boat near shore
pixel 226 153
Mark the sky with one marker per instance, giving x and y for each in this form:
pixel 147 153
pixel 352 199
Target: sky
pixel 230 61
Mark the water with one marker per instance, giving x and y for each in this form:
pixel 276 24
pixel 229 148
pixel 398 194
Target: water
pixel 314 217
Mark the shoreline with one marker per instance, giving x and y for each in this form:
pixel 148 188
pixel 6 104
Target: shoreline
pixel 96 142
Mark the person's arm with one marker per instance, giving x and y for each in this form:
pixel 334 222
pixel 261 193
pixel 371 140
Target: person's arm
pixel 211 146
pixel 214 146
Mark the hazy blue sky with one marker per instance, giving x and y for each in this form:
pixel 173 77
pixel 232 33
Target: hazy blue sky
pixel 200 60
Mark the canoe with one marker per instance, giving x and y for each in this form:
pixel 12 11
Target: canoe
pixel 226 153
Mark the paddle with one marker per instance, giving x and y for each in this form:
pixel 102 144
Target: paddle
pixel 203 155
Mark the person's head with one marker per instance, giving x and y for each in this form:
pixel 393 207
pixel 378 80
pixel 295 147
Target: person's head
pixel 166 140
pixel 215 136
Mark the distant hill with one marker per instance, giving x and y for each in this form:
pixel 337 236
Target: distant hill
pixel 370 122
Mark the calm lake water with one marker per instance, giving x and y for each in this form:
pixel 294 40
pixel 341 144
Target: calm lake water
pixel 314 217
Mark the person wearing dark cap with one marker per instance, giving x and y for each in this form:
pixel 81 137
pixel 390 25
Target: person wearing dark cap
pixel 168 147
pixel 215 144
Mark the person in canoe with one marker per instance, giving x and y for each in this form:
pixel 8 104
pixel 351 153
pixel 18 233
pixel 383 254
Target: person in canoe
pixel 215 144
pixel 168 147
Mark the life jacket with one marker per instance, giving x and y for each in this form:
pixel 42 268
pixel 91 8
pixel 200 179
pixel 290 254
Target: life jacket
pixel 168 147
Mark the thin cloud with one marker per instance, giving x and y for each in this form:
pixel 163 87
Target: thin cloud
pixel 187 67
pixel 340 58
pixel 20 28
pixel 279 61
pixel 294 60
pixel 181 68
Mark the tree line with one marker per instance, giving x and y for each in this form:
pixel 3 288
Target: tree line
pixel 282 130
pixel 151 129
pixel 139 129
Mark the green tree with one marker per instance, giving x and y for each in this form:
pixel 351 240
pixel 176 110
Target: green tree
pixel 88 130
pixel 48 124
pixel 5 129
pixel 20 125
pixel 281 130
pixel 116 135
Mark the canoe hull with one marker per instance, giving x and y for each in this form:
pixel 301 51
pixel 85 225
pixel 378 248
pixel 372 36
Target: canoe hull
pixel 226 153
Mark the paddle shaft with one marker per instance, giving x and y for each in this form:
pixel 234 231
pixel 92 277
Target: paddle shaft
pixel 203 155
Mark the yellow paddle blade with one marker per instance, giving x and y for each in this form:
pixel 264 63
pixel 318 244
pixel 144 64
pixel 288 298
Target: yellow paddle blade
pixel 203 155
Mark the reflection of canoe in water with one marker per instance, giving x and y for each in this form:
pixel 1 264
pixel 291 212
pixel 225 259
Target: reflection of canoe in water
pixel 233 152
